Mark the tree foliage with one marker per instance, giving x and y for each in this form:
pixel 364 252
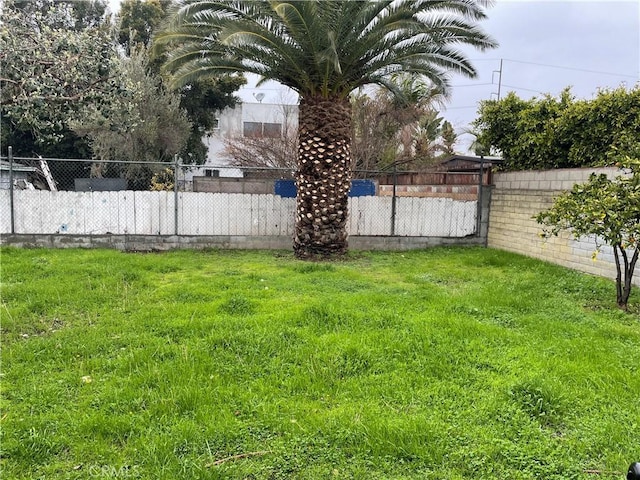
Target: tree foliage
pixel 375 145
pixel 449 139
pixel 608 209
pixel 202 100
pixel 69 14
pixel 263 152
pixel 405 131
pixel 50 71
pixel 144 123
pixel 138 21
pixel 60 60
pixel 427 144
pixel 562 132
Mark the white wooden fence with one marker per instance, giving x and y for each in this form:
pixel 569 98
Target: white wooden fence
pixel 154 213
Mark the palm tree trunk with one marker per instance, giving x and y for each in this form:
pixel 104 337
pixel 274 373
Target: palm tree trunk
pixel 323 178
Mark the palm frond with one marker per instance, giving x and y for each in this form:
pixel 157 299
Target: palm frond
pixel 324 47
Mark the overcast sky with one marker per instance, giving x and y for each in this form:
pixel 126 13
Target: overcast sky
pixel 545 46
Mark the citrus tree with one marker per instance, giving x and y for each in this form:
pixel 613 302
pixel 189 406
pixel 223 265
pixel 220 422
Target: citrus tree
pixel 324 50
pixel 608 209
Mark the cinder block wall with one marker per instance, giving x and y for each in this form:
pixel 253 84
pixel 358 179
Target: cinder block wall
pixel 518 196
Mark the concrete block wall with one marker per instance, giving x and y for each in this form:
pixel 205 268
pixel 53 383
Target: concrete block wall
pixel 518 196
pixel 232 185
pixel 457 192
pixel 144 243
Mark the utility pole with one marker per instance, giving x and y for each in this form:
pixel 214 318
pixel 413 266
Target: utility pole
pixel 499 72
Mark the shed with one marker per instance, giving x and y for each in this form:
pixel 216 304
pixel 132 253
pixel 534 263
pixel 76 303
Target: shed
pixel 20 172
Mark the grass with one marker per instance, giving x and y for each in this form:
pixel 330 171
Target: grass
pixel 449 363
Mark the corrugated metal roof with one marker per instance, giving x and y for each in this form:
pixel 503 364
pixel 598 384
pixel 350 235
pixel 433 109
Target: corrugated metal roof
pixel 17 167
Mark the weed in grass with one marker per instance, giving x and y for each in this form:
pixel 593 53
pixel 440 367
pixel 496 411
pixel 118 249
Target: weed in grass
pixel 238 306
pixel 314 267
pixel 323 318
pixel 129 278
pixel 351 362
pixel 34 445
pixel 436 279
pixel 190 296
pixel 231 272
pixel 540 400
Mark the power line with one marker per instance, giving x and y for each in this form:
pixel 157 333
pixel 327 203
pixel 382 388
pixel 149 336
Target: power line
pixel 460 108
pixel 485 59
pixel 571 68
pixel 471 85
pixel 522 88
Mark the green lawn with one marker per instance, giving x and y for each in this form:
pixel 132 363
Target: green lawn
pixel 451 363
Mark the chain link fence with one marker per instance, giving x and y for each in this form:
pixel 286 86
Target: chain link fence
pixel 89 197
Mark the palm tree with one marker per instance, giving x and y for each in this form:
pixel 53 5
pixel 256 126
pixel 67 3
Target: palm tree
pixel 323 50
pixel 412 110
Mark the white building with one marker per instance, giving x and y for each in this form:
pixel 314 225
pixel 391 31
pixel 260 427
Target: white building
pixel 265 111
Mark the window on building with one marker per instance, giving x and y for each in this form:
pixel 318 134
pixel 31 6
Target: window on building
pixel 272 130
pixel 261 129
pixel 252 129
pixel 212 173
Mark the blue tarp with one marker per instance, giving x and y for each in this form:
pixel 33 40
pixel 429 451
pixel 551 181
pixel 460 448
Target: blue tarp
pixel 359 188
